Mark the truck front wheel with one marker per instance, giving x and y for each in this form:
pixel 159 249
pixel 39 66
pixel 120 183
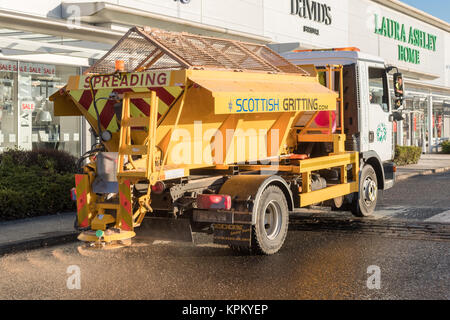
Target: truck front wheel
pixel 364 204
pixel 272 219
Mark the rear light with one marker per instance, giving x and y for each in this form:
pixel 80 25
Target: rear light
pixel 73 194
pixel 214 201
pixel 394 169
pixel 298 156
pixel 158 187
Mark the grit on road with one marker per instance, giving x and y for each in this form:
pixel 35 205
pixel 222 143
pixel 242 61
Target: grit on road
pixel 314 264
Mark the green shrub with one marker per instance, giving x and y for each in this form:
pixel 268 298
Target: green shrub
pixel 48 159
pixel 34 183
pixel 407 155
pixel 11 204
pixel 445 147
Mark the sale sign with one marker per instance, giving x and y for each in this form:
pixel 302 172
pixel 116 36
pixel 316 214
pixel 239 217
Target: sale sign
pixel 27 106
pixel 37 68
pixel 6 65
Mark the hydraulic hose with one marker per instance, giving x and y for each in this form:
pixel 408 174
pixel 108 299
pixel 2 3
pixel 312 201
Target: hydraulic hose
pixel 98 146
pixel 87 155
pixel 94 100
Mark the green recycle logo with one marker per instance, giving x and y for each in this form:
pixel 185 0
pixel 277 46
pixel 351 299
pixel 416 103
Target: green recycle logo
pixel 381 132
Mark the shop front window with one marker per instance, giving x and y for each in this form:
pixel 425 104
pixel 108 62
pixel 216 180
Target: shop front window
pixel 438 120
pixel 8 102
pixel 446 120
pixel 26 114
pixel 38 127
pixel 418 124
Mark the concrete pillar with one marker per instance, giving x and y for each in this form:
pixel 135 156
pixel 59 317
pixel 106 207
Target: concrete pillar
pixel 86 140
pixel 430 123
pixel 408 134
pixel 400 133
pixel 423 137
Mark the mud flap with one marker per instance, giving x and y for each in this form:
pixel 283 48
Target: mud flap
pixel 233 234
pixel 83 197
pixel 125 216
pixel 165 229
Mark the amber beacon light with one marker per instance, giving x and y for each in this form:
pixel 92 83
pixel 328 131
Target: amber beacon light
pixel 120 65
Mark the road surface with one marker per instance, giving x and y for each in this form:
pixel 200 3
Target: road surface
pixel 327 255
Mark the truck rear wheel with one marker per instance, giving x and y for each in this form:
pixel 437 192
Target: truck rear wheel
pixel 364 204
pixel 272 219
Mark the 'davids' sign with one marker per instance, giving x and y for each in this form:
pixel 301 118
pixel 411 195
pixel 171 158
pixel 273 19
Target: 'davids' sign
pixel 312 10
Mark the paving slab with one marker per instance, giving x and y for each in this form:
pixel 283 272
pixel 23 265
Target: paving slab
pixel 30 233
pixel 428 164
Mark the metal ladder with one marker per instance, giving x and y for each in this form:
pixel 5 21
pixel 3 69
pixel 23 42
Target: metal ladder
pixel 125 176
pixel 147 148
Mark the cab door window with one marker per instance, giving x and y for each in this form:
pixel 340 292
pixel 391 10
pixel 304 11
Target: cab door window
pixel 378 89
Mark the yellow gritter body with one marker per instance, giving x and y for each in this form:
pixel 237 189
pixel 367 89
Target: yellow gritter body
pixel 218 105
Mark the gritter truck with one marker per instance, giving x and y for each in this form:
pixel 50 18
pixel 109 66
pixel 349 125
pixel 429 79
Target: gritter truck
pixel 225 137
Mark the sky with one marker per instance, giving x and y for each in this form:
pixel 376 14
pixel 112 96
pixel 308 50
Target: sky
pixel 437 8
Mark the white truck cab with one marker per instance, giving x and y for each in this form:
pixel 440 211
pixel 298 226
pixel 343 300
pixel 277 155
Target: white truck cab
pixel 368 111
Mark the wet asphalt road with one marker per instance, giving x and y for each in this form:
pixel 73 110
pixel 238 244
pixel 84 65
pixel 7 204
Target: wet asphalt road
pixel 311 265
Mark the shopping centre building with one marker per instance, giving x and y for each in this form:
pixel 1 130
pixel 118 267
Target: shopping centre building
pixel 43 42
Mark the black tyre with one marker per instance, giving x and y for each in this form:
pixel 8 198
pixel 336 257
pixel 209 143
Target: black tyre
pixel 75 224
pixel 240 250
pixel 272 219
pixel 365 204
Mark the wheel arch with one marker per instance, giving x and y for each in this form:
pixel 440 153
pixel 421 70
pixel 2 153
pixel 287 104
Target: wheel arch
pixel 249 187
pixel 372 158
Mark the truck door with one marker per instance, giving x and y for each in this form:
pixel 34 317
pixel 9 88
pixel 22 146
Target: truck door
pixel 379 129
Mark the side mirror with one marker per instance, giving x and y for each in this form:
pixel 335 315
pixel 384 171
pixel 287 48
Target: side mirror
pixel 396 116
pixel 398 104
pixel 398 90
pixel 398 85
